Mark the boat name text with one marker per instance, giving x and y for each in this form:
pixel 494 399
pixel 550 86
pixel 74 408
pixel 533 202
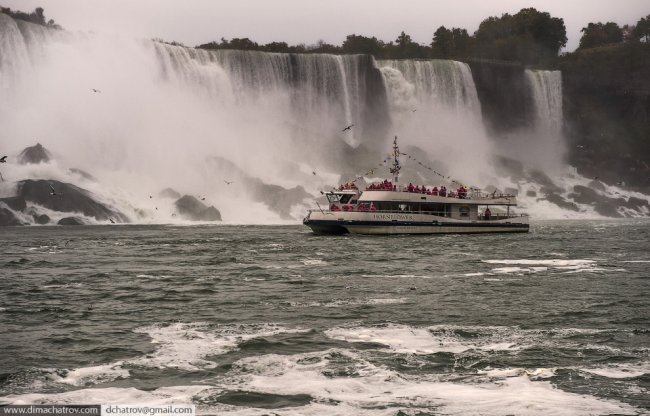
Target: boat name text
pixel 393 217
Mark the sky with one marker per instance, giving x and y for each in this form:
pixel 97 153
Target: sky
pixel 193 22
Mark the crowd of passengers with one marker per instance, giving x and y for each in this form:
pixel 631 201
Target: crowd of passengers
pixel 386 185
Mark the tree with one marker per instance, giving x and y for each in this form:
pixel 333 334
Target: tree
pixel 354 44
pixel 406 48
pixel 642 29
pixel 454 43
pixel 530 36
pixel 598 34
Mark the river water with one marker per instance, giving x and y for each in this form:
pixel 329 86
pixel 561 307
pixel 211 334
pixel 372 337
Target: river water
pixel 254 320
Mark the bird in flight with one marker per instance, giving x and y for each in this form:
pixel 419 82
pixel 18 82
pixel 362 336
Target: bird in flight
pixel 111 220
pixel 348 127
pixel 203 199
pixel 313 173
pixel 414 110
pixel 228 182
pixel 95 90
pixel 3 159
pixel 53 193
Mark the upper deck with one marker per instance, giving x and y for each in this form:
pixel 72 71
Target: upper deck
pixel 472 198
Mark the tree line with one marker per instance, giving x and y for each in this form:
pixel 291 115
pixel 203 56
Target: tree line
pixel 37 16
pixel 530 37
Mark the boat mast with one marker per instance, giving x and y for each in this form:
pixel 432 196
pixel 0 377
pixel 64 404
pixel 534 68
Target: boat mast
pixel 396 166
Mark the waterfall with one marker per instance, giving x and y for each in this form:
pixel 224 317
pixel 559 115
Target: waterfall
pixel 435 107
pixel 546 92
pixel 317 86
pixel 434 82
pixel 165 113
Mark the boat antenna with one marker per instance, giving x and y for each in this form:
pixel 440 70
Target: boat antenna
pixel 396 166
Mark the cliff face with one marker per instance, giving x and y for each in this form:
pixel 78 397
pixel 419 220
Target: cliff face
pixel 607 112
pixel 505 98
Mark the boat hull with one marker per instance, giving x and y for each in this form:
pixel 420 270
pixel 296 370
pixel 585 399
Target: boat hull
pixel 370 227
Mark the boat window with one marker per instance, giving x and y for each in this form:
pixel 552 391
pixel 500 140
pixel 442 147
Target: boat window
pixel 333 198
pixel 464 211
pixel 345 198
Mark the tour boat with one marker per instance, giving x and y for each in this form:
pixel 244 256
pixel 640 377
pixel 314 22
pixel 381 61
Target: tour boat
pixel 390 208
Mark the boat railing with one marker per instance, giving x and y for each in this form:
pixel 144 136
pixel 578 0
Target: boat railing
pixel 445 214
pixel 476 194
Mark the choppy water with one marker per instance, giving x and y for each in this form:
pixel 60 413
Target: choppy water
pixel 254 320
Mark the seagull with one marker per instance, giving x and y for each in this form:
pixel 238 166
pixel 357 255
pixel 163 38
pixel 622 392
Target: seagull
pixel 203 199
pixel 348 127
pixel 3 159
pixel 228 182
pixel 111 220
pixel 414 110
pixel 313 173
pixel 95 90
pixel 53 193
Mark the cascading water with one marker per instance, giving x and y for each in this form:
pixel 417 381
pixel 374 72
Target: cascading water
pixel 165 114
pixel 546 88
pixel 435 107
pixel 439 82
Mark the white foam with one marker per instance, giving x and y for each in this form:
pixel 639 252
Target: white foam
pixel 314 262
pixel 533 374
pixel 112 395
pixel 621 370
pixel 518 270
pixel 184 345
pixel 408 340
pixel 94 375
pixel 373 389
pixel 543 262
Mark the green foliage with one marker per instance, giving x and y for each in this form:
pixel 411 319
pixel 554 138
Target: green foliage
pixel 642 30
pixel 37 16
pixel 356 44
pixel 598 34
pixel 454 43
pixel 530 37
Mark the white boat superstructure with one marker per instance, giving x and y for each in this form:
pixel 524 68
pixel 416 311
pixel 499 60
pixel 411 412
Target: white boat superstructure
pixel 389 208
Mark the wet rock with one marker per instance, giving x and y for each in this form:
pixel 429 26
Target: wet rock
pixel 510 167
pixel 68 198
pixel 602 204
pixel 169 193
pixel 597 185
pixel 277 198
pixel 41 219
pixel 8 218
pixel 194 210
pixel 548 186
pixel 71 221
pixel 637 204
pixel 35 154
pixel 17 203
pixel 561 202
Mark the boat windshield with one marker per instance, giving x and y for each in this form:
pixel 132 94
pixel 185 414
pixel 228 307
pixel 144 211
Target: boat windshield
pixel 346 198
pixel 333 198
